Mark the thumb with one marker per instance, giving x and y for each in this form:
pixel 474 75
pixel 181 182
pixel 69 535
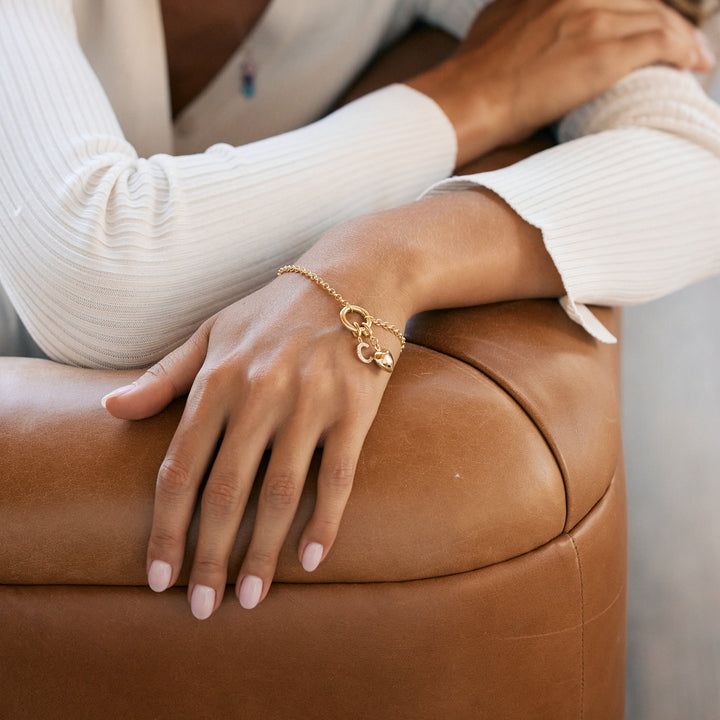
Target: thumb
pixel 168 379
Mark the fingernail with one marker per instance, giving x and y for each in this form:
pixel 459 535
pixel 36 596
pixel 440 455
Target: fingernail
pixel 704 45
pixel 312 555
pixel 159 575
pixel 202 602
pixel 117 393
pixel 250 591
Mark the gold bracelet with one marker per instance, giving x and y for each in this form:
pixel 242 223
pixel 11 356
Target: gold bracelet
pixel 362 331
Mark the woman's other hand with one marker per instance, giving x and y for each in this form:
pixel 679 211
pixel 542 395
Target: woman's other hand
pixel 526 63
pixel 276 368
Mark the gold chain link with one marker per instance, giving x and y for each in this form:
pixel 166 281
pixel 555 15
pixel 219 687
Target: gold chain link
pixel 361 331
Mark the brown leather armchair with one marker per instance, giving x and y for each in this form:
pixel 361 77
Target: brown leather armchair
pixel 479 571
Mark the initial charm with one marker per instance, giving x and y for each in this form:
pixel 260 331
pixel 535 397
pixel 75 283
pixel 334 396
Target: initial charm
pixel 360 347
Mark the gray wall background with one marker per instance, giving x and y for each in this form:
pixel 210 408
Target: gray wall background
pixel 671 428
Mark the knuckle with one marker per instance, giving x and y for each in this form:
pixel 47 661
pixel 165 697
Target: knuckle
pixel 269 380
pixel 158 371
pixel 221 496
pixel 315 381
pixel 326 527
pixel 209 382
pixel 588 22
pixel 262 559
pixel 662 40
pixel 174 478
pixel 341 475
pixel 280 490
pixel 664 17
pixel 206 566
pixel 163 539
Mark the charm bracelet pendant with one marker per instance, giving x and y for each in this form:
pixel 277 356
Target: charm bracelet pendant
pixel 359 322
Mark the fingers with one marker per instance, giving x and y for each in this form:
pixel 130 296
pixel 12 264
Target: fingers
pixel 178 481
pixel 285 477
pixel 223 503
pixel 684 49
pixel 676 41
pixel 335 481
pixel 172 377
pixel 640 34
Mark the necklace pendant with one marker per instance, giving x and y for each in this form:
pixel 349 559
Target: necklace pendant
pixel 248 73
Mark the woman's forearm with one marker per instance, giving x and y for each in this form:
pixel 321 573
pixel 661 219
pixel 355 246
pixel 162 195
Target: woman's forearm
pixel 459 249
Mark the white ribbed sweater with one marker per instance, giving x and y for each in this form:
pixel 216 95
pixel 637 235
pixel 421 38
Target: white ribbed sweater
pixel 111 258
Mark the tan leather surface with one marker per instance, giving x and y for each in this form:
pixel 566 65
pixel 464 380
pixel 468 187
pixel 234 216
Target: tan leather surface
pixel 508 642
pixel 467 466
pixel 454 476
pixel 601 543
pixel 458 472
pixel 563 379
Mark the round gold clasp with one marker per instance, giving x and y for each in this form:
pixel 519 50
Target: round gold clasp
pixel 353 326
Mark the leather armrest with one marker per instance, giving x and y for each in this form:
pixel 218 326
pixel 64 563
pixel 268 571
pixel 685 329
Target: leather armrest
pixel 499 431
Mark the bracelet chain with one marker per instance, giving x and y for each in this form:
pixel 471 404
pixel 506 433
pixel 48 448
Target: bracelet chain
pixel 361 330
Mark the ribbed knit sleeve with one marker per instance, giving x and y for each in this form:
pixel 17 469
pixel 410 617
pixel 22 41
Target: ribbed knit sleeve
pixel 629 203
pixel 111 259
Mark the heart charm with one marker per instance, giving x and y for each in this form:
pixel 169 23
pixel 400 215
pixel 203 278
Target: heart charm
pixel 384 360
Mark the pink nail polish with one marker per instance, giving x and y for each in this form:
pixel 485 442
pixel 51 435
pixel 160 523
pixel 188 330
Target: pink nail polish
pixel 117 393
pixel 250 591
pixel 312 555
pixel 159 575
pixel 202 601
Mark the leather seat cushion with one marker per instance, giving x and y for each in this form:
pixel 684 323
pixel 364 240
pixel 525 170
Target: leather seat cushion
pixel 459 471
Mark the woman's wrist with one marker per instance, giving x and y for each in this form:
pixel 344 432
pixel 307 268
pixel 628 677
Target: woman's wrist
pixel 458 249
pixel 401 261
pixel 370 262
pixel 475 116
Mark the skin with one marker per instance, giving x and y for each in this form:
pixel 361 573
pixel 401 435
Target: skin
pixel 200 37
pixel 501 71
pixel 255 379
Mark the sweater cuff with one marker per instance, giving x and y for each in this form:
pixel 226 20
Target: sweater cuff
pixel 396 135
pixel 522 189
pixel 619 220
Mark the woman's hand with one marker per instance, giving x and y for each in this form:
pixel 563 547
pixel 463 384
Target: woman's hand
pixel 526 63
pixel 279 368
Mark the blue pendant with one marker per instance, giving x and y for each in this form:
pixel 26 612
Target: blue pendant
pixel 248 73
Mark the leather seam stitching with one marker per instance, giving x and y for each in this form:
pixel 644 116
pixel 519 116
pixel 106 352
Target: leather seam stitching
pixel 582 627
pixel 486 372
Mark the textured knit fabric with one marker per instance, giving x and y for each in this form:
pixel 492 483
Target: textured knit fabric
pixel 111 259
pixel 112 251
pixel 630 211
